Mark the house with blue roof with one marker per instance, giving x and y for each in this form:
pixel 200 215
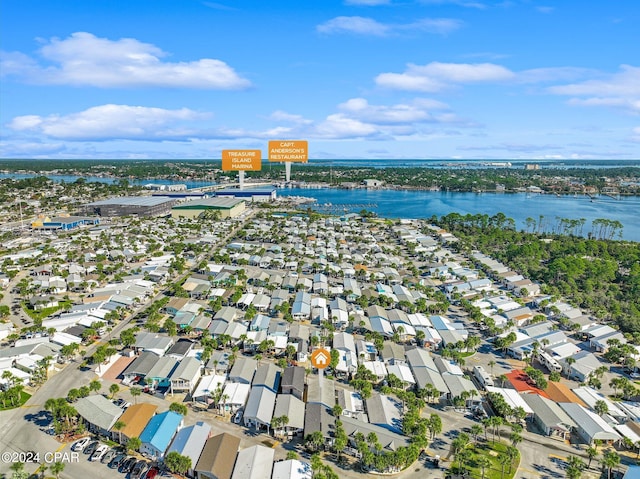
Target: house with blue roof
pixel 158 434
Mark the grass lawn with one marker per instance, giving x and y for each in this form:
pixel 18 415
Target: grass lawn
pixel 43 313
pixel 491 450
pixel 24 397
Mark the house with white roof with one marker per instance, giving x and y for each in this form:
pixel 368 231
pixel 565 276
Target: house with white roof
pixel 259 410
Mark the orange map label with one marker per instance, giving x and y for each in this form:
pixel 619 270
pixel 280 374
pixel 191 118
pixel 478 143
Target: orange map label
pixel 241 160
pixel 288 150
pixel 320 358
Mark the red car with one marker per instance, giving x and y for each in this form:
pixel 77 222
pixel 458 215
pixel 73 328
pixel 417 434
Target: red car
pixel 152 473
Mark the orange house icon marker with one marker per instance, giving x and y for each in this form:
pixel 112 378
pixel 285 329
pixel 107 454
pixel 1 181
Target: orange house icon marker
pixel 320 358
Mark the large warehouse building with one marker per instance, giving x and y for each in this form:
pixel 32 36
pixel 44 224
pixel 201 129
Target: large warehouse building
pixel 227 207
pixel 132 205
pixel 267 193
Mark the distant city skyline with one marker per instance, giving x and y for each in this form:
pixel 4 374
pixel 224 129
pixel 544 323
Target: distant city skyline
pixel 379 79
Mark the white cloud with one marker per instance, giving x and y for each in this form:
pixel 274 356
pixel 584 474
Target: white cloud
pixel 357 118
pixel 368 26
pixel 359 108
pixel 84 59
pixel 357 25
pixel 619 90
pixel 438 76
pixel 109 122
pixel 635 134
pixel 280 115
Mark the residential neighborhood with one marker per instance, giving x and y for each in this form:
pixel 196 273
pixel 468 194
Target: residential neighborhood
pixel 184 342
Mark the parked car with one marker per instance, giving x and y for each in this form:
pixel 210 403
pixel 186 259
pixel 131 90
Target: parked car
pixel 238 416
pixel 99 452
pixel 152 473
pixel 139 469
pixel 106 459
pixel 91 448
pixel 127 464
pixel 117 460
pixel 80 444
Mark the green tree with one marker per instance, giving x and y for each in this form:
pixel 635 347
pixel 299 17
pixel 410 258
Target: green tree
pixel 178 408
pixel 592 453
pixel 135 392
pixel 56 468
pixel 483 463
pixel 95 386
pixel 600 407
pixel 133 444
pixel 113 389
pixel 177 463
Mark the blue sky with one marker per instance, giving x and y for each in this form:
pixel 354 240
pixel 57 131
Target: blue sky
pixel 356 78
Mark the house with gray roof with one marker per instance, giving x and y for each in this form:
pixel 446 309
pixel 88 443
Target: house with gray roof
pixel 459 386
pixel 318 418
pixel 267 375
pixel 389 440
pixel 185 377
pixel 259 410
pixel 590 426
pixel 98 413
pixel 293 408
pixel 243 370
pixel 385 411
pixel 153 342
pixel 321 390
pixel 293 381
pixel 425 371
pixel 139 367
pixel 159 374
pixel 583 365
pixel 549 417
pixel 218 327
pixel 255 462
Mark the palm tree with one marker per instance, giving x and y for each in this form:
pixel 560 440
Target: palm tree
pixel 491 363
pixel 95 386
pixel 119 426
pixel 483 462
pixel 476 430
pixel 610 460
pixel 503 460
pixel 135 392
pixel 592 452
pixel 113 389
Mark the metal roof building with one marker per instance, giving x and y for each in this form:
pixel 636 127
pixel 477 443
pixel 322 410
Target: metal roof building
pixel 132 205
pixel 190 442
pixel 549 416
pixel 259 410
pixel 135 419
pixel 424 370
pixel 218 457
pixel 255 462
pixel 158 433
pixel 590 426
pixel 98 412
pixel 227 207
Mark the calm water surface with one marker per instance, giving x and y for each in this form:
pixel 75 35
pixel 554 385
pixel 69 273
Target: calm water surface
pixel 519 206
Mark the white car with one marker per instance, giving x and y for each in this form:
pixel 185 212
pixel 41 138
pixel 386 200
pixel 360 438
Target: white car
pixel 101 451
pixel 238 417
pixel 80 444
